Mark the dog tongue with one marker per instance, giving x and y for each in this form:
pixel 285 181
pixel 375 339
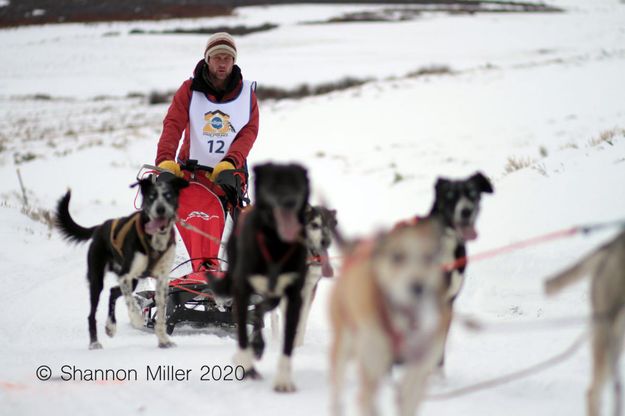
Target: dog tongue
pixel 326 267
pixel 154 226
pixel 468 232
pixel 288 225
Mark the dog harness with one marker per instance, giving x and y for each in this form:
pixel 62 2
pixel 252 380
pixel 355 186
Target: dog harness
pixel 383 307
pixel 119 231
pixel 273 266
pixel 398 338
pixel 408 222
pixel 120 227
pixel 314 259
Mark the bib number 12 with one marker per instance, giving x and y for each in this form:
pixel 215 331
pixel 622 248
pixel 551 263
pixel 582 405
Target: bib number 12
pixel 216 146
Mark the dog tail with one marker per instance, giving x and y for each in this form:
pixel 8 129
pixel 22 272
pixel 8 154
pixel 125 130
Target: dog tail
pixel 66 224
pixel 576 272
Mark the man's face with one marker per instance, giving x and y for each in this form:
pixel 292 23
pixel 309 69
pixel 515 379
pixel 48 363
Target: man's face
pixel 220 66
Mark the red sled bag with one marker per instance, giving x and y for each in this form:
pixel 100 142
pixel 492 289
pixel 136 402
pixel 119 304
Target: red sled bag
pixel 202 209
pixel 201 226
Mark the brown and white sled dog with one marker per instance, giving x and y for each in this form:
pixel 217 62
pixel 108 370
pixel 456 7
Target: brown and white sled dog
pixel 139 245
pixel 320 223
pixel 606 266
pixel 386 309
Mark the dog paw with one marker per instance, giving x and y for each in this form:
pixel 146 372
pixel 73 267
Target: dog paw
pixel 244 359
pixel 283 382
pixel 166 344
pixel 284 386
pixel 110 328
pixel 252 374
pixel 95 346
pixel 136 320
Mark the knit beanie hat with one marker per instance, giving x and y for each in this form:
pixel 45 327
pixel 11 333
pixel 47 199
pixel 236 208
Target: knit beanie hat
pixel 220 42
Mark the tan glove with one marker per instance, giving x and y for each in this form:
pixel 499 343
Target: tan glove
pixel 171 166
pixel 220 167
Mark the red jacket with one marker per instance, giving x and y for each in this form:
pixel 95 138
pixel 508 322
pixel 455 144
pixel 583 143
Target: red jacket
pixel 177 119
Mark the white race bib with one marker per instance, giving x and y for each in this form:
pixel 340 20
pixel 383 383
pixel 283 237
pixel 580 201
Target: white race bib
pixel 215 125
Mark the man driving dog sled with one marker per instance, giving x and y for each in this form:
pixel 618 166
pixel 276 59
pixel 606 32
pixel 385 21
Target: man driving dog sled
pixel 218 112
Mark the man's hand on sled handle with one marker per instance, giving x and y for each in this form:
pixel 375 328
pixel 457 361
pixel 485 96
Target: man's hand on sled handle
pixel 220 167
pixel 172 167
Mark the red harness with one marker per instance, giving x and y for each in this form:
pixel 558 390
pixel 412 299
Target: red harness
pixel 408 222
pixel 262 243
pixel 315 260
pixel 398 338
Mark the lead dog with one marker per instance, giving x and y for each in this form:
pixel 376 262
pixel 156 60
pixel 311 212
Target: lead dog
pixel 386 308
pixel 320 224
pixel 606 266
pixel 457 205
pixel 267 257
pixel 136 246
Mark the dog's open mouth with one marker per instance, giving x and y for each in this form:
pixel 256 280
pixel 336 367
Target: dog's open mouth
pixel 288 224
pixel 466 232
pixel 157 226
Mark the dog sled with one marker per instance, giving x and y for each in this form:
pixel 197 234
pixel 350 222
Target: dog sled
pixel 201 222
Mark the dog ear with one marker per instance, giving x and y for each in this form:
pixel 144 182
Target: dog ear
pixel 482 182
pixel 260 171
pixel 307 184
pixel 331 217
pixel 179 183
pixel 441 183
pixel 379 243
pixel 303 174
pixel 309 212
pixel 144 184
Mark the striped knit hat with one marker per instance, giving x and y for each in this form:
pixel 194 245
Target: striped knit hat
pixel 220 42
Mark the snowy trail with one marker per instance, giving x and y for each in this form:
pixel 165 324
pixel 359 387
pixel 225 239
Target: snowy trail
pixel 539 89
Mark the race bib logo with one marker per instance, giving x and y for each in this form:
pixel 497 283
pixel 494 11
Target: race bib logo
pixel 217 124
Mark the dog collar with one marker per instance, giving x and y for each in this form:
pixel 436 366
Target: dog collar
pixel 260 239
pixel 314 259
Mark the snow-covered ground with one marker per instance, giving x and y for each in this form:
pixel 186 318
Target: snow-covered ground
pixel 540 90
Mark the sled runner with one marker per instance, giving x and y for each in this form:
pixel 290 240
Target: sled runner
pixel 202 211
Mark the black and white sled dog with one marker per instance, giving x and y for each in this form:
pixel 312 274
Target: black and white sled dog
pixel 457 205
pixel 267 258
pixel 320 224
pixel 139 245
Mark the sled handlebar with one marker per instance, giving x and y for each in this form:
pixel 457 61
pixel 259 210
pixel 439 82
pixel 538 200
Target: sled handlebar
pixel 191 165
pixel 231 181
